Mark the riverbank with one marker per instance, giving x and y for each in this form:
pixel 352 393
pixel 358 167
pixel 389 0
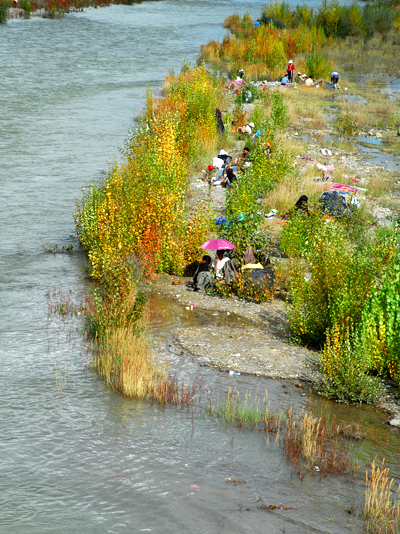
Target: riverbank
pixel 51 9
pixel 249 338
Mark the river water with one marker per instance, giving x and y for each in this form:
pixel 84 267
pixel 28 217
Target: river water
pixel 74 456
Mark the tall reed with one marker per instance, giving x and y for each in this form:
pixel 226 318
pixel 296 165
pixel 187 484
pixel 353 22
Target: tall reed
pixel 381 511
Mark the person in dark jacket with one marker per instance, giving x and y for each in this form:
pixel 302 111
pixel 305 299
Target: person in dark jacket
pixel 302 205
pixel 229 178
pixel 220 123
pixel 200 280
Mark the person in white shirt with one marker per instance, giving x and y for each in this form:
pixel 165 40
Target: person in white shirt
pixel 247 128
pixel 219 262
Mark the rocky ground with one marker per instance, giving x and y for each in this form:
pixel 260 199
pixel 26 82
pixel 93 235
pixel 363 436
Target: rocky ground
pixel 241 336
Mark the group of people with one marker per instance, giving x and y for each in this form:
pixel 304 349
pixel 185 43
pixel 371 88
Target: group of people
pixel 227 168
pixel 307 80
pixel 223 268
pixel 302 78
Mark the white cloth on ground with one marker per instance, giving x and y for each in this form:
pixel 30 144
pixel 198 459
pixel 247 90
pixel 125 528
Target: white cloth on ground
pixel 218 162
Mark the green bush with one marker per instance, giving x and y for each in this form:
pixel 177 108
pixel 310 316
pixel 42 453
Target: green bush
pixel 26 6
pixel 346 123
pixel 4 7
pixel 380 321
pixel 317 65
pixel 243 231
pixel 346 367
pixel 339 281
pixel 275 22
pixel 378 17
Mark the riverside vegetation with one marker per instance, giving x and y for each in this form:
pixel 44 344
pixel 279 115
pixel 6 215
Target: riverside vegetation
pixel 136 223
pixel 350 34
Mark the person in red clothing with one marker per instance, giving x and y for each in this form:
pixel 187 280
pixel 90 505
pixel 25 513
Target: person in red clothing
pixel 290 71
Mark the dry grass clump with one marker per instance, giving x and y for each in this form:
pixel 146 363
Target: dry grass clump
pixel 378 112
pixel 287 192
pixel 381 511
pixel 318 444
pixel 380 184
pixel 373 57
pixel 126 363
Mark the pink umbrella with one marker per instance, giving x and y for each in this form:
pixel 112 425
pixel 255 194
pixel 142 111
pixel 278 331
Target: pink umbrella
pixel 217 244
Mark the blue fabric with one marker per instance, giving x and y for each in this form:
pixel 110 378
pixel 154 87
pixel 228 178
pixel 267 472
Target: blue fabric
pixel 284 80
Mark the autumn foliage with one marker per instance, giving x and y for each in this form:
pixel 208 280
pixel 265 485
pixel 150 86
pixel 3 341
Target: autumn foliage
pixel 140 210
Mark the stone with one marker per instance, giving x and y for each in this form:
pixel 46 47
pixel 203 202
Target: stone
pixel 395 422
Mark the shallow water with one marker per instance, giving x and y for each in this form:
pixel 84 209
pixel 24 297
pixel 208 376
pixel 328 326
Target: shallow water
pixel 74 456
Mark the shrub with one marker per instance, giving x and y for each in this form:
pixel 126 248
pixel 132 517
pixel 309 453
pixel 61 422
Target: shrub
pixel 280 13
pixel 137 219
pixel 380 320
pixel 242 230
pixel 244 287
pixel 339 282
pixel 140 209
pixel 378 17
pixel 346 366
pixel 198 229
pixel 317 65
pixel 26 6
pixel 4 7
pixel 346 123
pixel 272 21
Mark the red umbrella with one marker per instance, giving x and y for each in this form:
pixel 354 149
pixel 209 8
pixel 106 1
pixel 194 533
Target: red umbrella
pixel 217 244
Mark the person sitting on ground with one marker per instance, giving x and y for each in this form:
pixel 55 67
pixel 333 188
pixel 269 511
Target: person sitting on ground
pixel 284 80
pixel 309 82
pixel 247 128
pixel 302 205
pixel 301 78
pixel 219 262
pixel 249 260
pixel 202 278
pixel 243 161
pixel 240 73
pixel 246 154
pixel 230 177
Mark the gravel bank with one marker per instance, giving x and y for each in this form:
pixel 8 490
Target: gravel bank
pixel 240 336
